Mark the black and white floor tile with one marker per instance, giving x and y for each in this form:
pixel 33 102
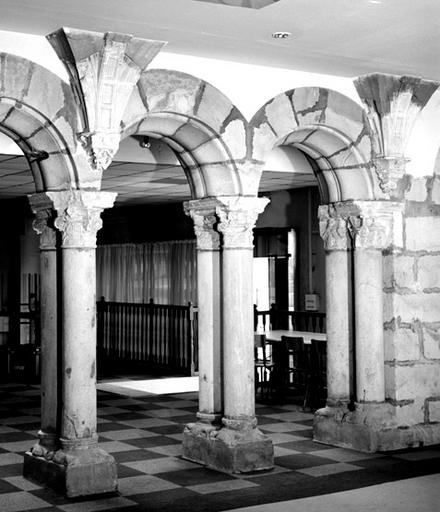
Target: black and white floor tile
pixel 144 435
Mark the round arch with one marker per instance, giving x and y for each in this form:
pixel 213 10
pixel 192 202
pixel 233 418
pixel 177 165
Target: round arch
pixel 39 113
pixel 331 129
pixel 205 130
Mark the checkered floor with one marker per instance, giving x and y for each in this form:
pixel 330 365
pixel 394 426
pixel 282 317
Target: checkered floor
pixel 144 434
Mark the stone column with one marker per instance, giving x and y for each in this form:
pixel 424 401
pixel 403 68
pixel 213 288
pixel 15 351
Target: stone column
pixel 334 232
pixel 369 237
pixel 367 424
pixel 209 331
pixel 240 445
pixel 43 225
pixel 80 467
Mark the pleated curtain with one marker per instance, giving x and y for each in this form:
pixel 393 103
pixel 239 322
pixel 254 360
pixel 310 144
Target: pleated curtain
pixel 163 271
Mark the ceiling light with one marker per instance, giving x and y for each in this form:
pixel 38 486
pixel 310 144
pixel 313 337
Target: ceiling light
pixel 281 35
pixel 144 142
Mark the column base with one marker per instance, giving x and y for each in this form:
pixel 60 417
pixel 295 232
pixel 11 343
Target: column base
pixel 76 472
pixel 370 427
pixel 227 449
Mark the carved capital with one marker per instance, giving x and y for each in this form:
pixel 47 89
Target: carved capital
pixel 237 218
pixel 43 223
pixel 202 211
pixel 103 70
pixel 79 215
pixel 392 105
pixel 375 224
pixel 333 228
pixel 389 170
pixel 369 232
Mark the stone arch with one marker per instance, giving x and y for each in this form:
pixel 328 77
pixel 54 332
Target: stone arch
pixel 38 111
pixel 331 129
pixel 205 130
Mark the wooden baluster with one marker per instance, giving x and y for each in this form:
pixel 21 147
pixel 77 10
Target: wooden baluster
pixel 159 332
pixel 181 339
pixel 115 315
pixel 170 336
pixel 165 340
pixel 136 332
pixel 153 339
pixel 143 333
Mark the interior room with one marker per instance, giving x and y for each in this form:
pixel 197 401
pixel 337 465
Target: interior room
pixel 219 269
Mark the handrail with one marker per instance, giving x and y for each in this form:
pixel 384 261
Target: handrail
pixel 152 334
pixel 274 318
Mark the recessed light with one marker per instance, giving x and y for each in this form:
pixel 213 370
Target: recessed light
pixel 281 35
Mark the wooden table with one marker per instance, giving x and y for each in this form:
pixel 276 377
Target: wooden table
pixel 273 336
pixel 281 378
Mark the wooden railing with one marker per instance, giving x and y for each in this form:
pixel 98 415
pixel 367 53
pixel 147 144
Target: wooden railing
pixel 152 335
pixel 274 318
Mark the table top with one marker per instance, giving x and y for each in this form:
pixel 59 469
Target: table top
pixel 306 336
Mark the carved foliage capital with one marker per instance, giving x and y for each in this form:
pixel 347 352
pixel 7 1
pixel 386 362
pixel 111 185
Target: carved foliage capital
pixel 389 170
pixel 237 217
pixel 370 232
pixel 203 214
pixel 333 228
pixel 43 224
pixel 79 216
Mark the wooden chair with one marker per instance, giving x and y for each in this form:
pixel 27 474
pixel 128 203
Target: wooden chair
pixel 263 365
pixel 290 374
pixel 319 373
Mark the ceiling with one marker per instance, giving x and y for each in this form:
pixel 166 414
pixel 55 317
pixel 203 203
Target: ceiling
pixel 339 37
pixel 154 175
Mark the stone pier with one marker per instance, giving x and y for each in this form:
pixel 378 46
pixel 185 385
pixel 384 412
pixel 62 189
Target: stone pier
pixel 196 436
pixel 79 467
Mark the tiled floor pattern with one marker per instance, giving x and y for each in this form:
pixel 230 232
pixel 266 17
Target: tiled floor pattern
pixel 144 434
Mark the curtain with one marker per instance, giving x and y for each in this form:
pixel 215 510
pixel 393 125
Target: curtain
pixel 163 271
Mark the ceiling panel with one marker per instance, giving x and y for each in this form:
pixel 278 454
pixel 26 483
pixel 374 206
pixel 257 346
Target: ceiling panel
pixel 137 182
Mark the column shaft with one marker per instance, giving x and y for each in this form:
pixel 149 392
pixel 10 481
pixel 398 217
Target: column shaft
pixel 49 344
pixel 79 344
pixel 238 334
pixel 370 381
pixel 338 295
pixel 208 285
pixel 43 226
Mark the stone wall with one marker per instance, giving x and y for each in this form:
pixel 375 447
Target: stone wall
pixel 412 309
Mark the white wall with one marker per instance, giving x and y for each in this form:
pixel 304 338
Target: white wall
pixel 248 86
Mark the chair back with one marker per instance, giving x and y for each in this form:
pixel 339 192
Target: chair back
pixel 260 352
pixel 292 349
pixel 319 356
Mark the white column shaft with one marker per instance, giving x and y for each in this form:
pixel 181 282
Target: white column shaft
pixel 238 356
pixel 79 343
pixel 370 381
pixel 208 286
pixel 338 295
pixel 49 341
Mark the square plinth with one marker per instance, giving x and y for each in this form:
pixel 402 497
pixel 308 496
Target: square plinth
pixel 81 472
pixel 228 450
pixel 370 428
